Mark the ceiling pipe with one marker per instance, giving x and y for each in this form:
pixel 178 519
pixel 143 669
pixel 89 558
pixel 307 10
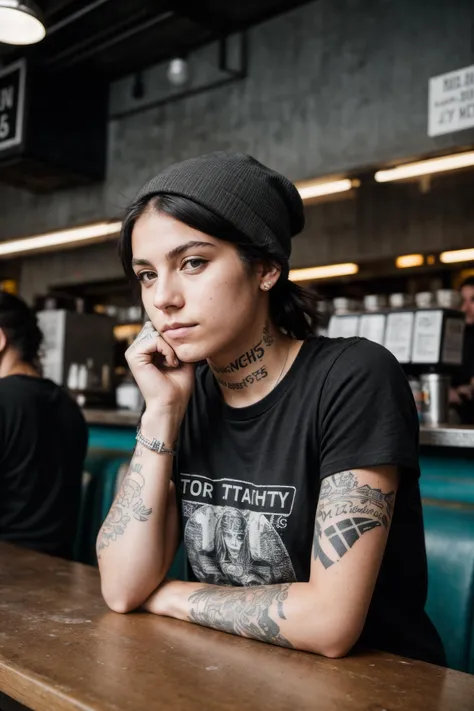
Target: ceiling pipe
pixel 76 58
pixel 74 16
pixel 232 76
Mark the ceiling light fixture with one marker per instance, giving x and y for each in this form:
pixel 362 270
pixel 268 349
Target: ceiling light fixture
pixel 97 232
pixel 178 71
pixel 314 189
pixel 409 260
pixel 426 167
pixel 21 22
pixel 326 272
pixel 457 255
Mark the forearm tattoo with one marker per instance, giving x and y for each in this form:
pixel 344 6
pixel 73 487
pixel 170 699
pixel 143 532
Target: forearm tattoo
pixel 345 512
pixel 242 611
pixel 127 505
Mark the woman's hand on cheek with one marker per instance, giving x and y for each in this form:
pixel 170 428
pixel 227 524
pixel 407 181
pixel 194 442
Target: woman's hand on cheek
pixel 165 383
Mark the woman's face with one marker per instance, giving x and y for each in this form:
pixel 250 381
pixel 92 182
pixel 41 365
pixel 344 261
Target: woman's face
pixel 195 288
pixel 234 541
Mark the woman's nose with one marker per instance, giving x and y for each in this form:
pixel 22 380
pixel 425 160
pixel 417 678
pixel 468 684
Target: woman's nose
pixel 167 294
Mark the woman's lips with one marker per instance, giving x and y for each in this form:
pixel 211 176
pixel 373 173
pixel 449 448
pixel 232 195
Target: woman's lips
pixel 180 332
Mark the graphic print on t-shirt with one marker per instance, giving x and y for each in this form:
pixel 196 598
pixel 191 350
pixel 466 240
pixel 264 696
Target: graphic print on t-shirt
pixel 231 535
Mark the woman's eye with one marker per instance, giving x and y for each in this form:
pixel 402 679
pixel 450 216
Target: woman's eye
pixel 194 263
pixel 146 277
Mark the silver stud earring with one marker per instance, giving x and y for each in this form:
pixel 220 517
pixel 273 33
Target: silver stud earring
pixel 267 285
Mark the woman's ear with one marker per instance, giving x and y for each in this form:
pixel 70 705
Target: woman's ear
pixel 3 341
pixel 269 275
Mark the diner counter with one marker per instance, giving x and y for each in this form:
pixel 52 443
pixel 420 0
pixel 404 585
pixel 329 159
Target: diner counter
pixel 441 436
pixel 113 418
pixel 61 649
pixel 447 436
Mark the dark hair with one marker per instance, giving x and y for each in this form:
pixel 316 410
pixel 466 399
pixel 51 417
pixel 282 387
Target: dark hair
pixel 469 281
pixel 21 328
pixel 292 308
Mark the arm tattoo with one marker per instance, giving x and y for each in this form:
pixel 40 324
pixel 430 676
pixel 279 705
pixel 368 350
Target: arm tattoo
pixel 345 512
pixel 127 505
pixel 244 612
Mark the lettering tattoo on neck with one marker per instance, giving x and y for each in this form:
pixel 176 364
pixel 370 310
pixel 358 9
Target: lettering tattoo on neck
pixel 245 382
pixel 267 337
pixel 128 504
pixel 244 612
pixel 345 512
pixel 254 355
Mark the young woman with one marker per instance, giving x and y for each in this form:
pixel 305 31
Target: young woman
pixel 288 462
pixel 43 442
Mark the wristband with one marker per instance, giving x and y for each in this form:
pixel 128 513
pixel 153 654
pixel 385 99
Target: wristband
pixel 155 445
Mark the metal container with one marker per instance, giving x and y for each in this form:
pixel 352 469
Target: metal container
pixel 435 398
pixel 448 298
pixel 424 299
pixel 375 302
pixel 342 305
pixel 400 301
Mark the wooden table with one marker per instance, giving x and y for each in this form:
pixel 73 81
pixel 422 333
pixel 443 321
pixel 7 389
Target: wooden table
pixel 61 649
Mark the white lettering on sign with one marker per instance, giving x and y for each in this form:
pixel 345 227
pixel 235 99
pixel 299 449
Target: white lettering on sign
pixel 12 99
pixel 451 102
pixel 6 98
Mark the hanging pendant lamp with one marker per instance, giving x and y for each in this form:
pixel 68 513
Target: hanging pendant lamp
pixel 21 22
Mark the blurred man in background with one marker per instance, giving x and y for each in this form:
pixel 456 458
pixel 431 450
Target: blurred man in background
pixel 462 390
pixel 43 441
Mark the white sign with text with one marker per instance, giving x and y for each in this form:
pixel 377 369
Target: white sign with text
pixel 12 100
pixel 451 102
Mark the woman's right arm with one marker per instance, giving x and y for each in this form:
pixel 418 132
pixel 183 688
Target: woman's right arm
pixel 139 537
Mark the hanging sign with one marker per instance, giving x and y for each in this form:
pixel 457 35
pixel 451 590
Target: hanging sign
pixel 12 104
pixel 451 102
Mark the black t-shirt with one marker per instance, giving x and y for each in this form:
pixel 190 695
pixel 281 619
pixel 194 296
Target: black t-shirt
pixel 43 443
pixel 248 480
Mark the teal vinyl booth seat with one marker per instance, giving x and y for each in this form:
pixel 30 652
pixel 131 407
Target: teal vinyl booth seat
pixel 99 485
pixel 449 535
pixel 447 478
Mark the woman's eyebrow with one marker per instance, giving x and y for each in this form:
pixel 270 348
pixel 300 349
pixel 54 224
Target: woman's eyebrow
pixel 141 263
pixel 172 254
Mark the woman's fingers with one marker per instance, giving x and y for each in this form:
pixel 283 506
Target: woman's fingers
pixel 147 344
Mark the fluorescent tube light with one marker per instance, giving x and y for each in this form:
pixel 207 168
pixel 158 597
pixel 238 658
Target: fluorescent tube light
pixel 76 235
pixel 409 260
pixel 457 255
pixel 326 272
pixel 314 189
pixel 426 167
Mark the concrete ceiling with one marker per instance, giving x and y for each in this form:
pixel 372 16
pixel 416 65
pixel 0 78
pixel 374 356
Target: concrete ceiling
pixel 111 38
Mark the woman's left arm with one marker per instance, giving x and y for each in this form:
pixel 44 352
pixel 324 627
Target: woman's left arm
pixel 325 615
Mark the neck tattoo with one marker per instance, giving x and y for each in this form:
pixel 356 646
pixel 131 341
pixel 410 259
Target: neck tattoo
pixel 254 377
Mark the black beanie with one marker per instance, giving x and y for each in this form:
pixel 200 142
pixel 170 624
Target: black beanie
pixel 257 201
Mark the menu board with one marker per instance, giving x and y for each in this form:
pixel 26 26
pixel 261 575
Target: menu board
pixel 372 326
pixel 343 326
pixel 399 333
pixel 453 341
pixel 427 336
pixel 12 103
